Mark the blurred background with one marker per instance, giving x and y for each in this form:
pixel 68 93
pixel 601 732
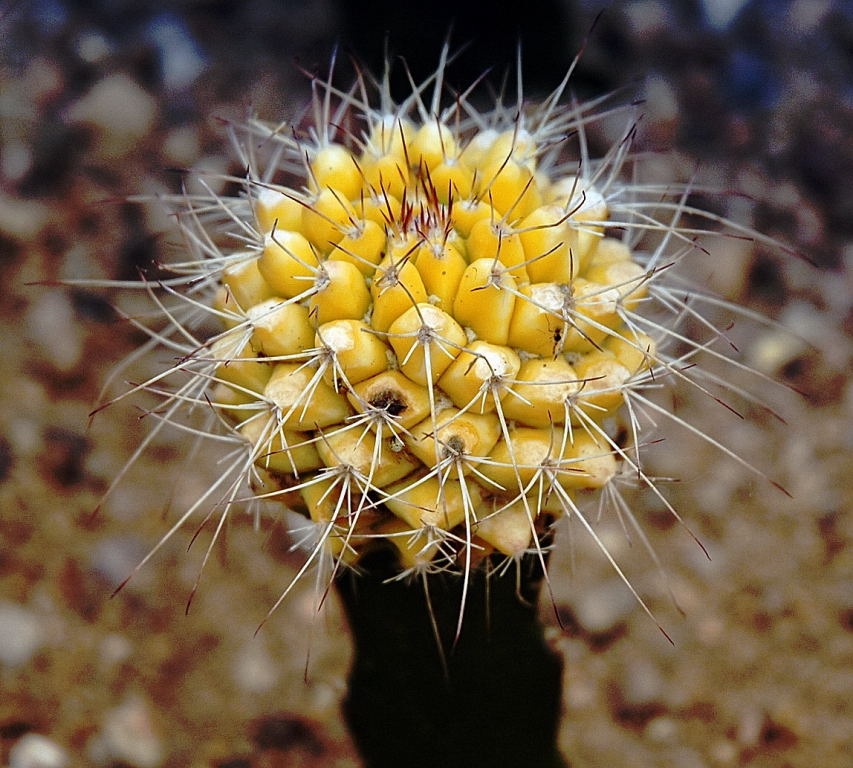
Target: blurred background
pixel 104 99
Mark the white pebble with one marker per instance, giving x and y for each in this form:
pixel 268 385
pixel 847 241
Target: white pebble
pixel 21 634
pixel 35 751
pixel 721 13
pixel 642 683
pixel 120 109
pixel 114 559
pixel 128 735
pixel 52 327
pixel 662 729
pixel 181 60
pixel 22 219
pixel 600 609
pixel 254 669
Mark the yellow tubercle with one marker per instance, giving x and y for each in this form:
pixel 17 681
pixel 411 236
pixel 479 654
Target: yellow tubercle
pixel 245 283
pixel 485 300
pixel 633 349
pixel 454 436
pixel 237 404
pixel 588 462
pixel 326 218
pixel 304 398
pixel 357 353
pixel 509 530
pixel 593 312
pixel 610 250
pixel 288 263
pixel 363 245
pixel 452 180
pixel 280 450
pixel 544 457
pixel 356 448
pixel 628 278
pixel 517 460
pixel 233 355
pixel 341 293
pixel 382 208
pixel 478 379
pixel 541 321
pixel 604 381
pixel 441 267
pixel 386 173
pixel 416 548
pixel 432 144
pixel 515 145
pixel 426 340
pixel 391 135
pixel 541 391
pixel 467 212
pixel 396 287
pixel 427 502
pixel 494 241
pixel 280 327
pixel 391 398
pixel 511 189
pixel 276 209
pixel 334 166
pixel 474 153
pixel 546 239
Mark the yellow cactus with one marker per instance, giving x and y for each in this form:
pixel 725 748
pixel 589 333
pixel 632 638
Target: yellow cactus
pixel 434 339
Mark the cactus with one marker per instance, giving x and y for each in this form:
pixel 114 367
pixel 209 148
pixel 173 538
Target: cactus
pixel 437 327
pixel 432 330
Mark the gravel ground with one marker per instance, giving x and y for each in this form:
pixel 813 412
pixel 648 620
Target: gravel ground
pixel 100 104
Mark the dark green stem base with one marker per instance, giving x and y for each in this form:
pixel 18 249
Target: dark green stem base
pixel 492 699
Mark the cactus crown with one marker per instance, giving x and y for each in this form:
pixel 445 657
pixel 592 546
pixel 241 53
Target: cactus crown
pixel 437 327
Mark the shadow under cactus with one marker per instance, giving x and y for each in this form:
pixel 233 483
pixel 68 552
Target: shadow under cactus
pixel 491 699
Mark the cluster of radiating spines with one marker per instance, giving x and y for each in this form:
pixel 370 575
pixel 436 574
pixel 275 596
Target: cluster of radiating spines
pixel 426 343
